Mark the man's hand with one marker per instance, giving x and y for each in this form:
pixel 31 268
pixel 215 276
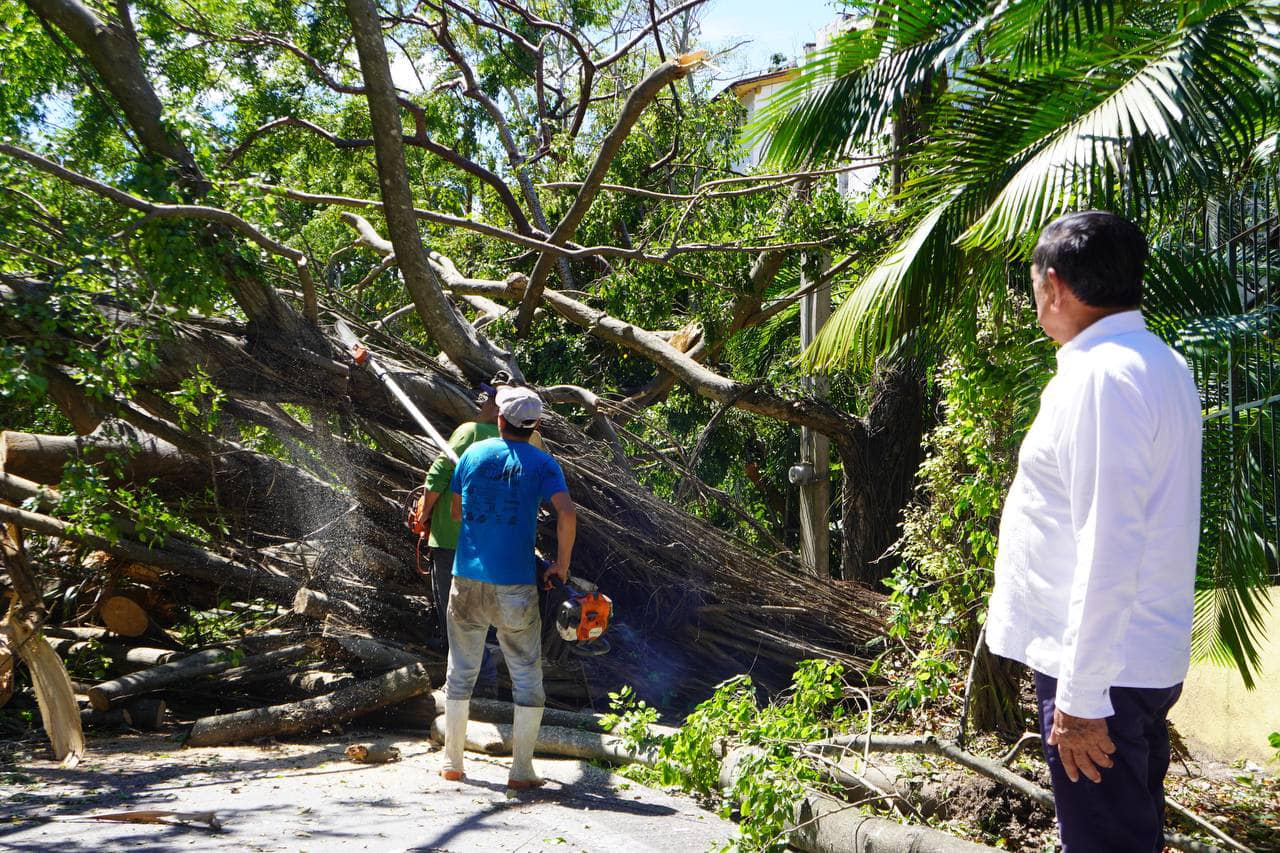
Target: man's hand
pixel 1083 745
pixel 556 569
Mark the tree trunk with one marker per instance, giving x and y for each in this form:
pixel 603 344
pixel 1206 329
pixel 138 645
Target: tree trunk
pixel 41 458
pixel 995 704
pixel 879 474
pixel 294 717
pixel 209 662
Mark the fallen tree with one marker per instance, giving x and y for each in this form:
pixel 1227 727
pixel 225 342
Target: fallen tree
pixel 287 463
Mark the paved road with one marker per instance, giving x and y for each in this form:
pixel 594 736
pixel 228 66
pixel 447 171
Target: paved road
pixel 309 797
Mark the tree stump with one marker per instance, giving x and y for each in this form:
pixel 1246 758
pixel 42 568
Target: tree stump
pixel 122 615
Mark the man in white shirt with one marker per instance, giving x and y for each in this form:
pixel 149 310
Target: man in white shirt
pixel 1095 573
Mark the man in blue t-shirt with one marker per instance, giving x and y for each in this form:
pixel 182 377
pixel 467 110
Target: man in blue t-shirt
pixel 497 486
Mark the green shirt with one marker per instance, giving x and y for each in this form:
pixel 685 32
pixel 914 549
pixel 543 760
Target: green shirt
pixel 444 530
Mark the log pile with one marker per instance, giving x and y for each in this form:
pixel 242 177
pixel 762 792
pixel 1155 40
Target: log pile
pixel 299 489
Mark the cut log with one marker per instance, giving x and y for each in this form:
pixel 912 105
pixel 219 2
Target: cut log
pixel 158 677
pixel 485 738
pixel 319 682
pixel 311 602
pixel 827 825
pixel 495 739
pixel 497 711
pixel 115 718
pixel 416 715
pixel 291 718
pixel 372 753
pixel 146 714
pixel 372 652
pixel 182 669
pixel 123 658
pixel 123 615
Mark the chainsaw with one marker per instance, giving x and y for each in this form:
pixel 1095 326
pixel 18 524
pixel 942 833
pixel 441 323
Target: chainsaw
pixel 580 613
pixel 415 514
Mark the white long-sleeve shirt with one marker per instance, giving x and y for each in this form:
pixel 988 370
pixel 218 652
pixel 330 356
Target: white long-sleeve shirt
pixel 1095 571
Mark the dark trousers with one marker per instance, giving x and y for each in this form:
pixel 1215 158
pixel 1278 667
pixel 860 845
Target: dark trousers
pixel 1123 813
pixel 441 586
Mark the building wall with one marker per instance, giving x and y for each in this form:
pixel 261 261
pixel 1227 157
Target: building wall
pixel 754 101
pixel 1220 719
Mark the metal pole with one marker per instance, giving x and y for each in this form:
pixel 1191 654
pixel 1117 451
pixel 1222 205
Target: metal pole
pixel 815 448
pixel 349 339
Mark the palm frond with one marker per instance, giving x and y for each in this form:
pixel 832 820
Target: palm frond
pixel 908 287
pixel 1236 559
pixel 1038 34
pixel 1185 110
pixel 848 92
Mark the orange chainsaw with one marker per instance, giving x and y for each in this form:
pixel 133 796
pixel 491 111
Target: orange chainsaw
pixel 582 615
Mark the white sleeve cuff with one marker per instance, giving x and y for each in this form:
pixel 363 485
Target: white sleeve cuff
pixel 1090 702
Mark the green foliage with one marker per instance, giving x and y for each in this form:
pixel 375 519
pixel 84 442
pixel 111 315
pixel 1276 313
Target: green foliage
pixel 1027 111
pixel 198 401
pixel 772 778
pixel 92 499
pixel 949 532
pixel 228 621
pixel 1274 740
pixel 90 663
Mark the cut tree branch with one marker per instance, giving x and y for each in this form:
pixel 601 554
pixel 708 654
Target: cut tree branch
pixel 473 354
pixel 160 210
pixel 639 99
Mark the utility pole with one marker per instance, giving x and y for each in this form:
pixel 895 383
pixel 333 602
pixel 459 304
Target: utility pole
pixel 813 474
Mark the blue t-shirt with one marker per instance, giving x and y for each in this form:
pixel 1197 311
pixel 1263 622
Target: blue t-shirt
pixel 502 484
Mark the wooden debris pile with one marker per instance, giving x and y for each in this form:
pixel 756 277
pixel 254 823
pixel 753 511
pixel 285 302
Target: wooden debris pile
pixel 302 605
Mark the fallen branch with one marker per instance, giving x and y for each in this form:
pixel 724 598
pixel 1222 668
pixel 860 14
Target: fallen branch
pixel 929 745
pixel 209 662
pixel 826 825
pixel 495 739
pixel 293 717
pixel 167 818
pixel 179 557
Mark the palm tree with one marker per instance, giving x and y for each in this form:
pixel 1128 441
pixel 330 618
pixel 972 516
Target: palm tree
pixel 1166 112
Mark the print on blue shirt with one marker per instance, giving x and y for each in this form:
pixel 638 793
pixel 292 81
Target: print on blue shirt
pixel 502 484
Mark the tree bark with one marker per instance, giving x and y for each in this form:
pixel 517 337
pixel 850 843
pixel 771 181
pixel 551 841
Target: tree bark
pixel 474 355
pixel 41 458
pixel 294 717
pixel 879 474
pixel 196 665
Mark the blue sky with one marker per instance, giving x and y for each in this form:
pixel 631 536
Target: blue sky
pixel 773 26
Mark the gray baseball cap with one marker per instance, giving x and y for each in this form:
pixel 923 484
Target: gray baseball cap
pixel 519 406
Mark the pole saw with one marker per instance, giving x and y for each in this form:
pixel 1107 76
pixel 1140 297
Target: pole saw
pixel 361 356
pixel 415 518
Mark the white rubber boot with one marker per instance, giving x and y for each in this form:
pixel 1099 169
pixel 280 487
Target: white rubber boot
pixel 456 712
pixel 524 735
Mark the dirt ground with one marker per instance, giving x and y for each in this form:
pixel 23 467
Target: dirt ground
pixel 307 796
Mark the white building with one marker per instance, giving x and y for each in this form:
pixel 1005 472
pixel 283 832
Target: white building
pixel 756 90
